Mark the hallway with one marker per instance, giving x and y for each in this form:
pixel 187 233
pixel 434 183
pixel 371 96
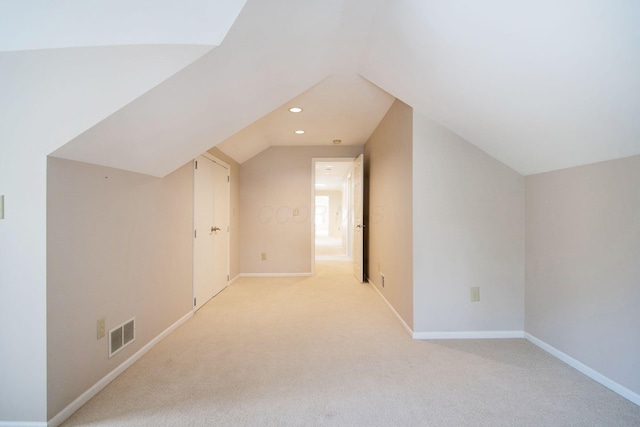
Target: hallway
pixel 325 350
pixel 329 247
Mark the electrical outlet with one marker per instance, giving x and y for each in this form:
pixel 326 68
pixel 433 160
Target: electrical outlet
pixel 263 256
pixel 382 280
pixel 100 328
pixel 475 294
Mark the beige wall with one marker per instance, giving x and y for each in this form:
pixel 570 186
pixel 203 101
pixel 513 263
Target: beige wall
pixel 272 184
pixel 334 215
pixel 118 245
pixel 234 211
pixel 583 265
pixel 389 231
pixel 468 231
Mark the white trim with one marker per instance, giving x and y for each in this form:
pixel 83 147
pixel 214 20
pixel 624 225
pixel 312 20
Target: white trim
pixel 312 216
pixel 314 160
pixel 393 310
pixel 194 163
pixel 591 373
pixel 447 335
pixel 467 335
pixel 23 424
pixel 227 166
pixel 216 160
pixel 237 276
pixel 274 275
pixel 334 258
pixel 97 387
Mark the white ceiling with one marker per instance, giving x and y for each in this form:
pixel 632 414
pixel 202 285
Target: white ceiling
pixel 46 24
pixel 267 58
pixel 330 176
pixel 341 107
pixel 539 85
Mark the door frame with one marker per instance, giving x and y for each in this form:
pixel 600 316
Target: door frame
pixel 312 215
pixel 193 219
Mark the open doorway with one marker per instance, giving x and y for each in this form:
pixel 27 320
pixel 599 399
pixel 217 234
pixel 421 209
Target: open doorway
pixel 332 200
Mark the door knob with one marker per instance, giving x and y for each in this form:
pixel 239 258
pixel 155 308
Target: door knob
pixel 214 229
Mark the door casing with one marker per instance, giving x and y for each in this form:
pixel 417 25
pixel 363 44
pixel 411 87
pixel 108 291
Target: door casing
pixel 351 225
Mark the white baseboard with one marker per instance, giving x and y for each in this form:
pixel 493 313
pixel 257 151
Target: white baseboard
pixel 393 310
pixel 23 424
pixel 333 258
pixel 467 335
pixel 447 335
pixel 591 373
pixel 275 274
pixel 95 389
pixel 234 279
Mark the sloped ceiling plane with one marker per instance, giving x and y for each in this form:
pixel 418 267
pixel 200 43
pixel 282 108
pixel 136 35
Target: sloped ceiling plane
pixel 147 85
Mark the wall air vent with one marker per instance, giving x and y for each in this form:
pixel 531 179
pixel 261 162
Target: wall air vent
pixel 121 336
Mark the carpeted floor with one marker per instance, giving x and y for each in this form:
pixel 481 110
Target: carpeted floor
pixel 329 247
pixel 326 351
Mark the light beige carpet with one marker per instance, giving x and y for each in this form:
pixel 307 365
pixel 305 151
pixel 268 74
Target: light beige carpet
pixel 329 247
pixel 326 351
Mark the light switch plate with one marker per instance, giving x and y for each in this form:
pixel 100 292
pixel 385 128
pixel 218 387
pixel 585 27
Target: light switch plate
pixel 475 294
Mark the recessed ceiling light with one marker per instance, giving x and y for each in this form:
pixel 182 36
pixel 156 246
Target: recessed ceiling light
pixel 299 132
pixel 295 109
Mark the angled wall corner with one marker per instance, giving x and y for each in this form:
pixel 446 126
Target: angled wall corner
pixel 119 246
pixel 468 217
pixel 388 210
pixel 582 269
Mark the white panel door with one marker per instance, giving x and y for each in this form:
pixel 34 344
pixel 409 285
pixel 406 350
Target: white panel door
pixel 220 228
pixel 358 218
pixel 211 230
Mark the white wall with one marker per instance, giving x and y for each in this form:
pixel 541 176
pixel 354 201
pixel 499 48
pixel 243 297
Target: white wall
pixel 334 214
pixel 388 211
pixel 583 265
pixel 468 213
pixel 346 231
pixel 49 97
pixel 119 245
pixel 272 184
pixel 23 363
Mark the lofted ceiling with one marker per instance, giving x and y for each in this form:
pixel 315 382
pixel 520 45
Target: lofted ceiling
pixel 346 108
pixel 46 24
pixel 539 85
pixel 331 175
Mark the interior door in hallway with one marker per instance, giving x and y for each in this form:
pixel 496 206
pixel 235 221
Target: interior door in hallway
pixel 358 218
pixel 211 230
